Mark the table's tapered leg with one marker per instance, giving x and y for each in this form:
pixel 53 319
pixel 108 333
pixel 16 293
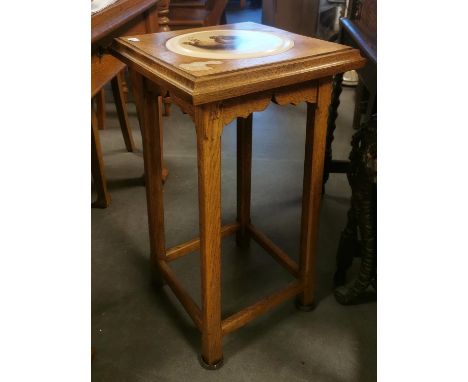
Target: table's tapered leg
pixel 244 167
pixel 97 166
pixel 209 129
pixel 316 134
pixel 150 124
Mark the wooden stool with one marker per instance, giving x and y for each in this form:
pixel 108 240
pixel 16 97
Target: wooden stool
pixel 214 93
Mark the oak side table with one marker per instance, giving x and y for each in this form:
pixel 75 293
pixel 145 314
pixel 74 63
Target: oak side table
pixel 217 74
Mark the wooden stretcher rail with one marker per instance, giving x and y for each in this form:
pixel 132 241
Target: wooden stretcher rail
pixel 280 256
pixel 190 306
pixel 193 245
pixel 246 315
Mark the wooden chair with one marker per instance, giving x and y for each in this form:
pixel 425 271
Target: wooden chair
pixel 125 17
pixel 196 13
pixel 108 69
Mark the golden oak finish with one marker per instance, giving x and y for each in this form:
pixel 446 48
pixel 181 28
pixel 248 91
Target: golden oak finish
pixel 209 129
pixel 151 125
pixel 213 97
pixel 137 91
pixel 316 133
pixel 309 59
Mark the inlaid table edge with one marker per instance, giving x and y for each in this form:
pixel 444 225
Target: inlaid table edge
pixel 212 88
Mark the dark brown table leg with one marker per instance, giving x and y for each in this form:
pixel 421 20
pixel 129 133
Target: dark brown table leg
pixel 209 128
pixel 244 168
pixel 97 166
pixel 316 135
pixel 101 109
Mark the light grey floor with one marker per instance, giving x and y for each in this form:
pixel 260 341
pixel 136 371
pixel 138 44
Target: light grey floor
pixel 143 334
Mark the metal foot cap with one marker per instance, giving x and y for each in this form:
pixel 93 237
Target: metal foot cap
pixel 207 366
pixel 305 308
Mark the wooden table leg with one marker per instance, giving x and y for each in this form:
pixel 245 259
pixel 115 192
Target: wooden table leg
pixel 209 129
pixel 101 109
pixel 97 166
pixel 244 166
pixel 136 84
pixel 119 99
pixel 316 134
pixel 150 124
pixel 124 85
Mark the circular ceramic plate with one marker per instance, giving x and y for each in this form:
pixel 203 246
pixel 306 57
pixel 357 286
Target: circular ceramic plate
pixel 228 44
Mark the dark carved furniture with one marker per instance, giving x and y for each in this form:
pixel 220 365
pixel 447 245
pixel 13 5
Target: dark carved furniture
pixel 362 220
pixel 360 31
pixel 214 96
pixel 119 19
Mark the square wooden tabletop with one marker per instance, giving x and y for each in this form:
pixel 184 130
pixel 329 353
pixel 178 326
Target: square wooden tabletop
pixel 202 80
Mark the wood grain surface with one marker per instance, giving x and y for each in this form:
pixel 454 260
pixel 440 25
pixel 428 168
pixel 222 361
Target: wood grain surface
pixel 309 59
pixel 208 123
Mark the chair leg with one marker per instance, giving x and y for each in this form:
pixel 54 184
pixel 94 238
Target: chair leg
pixel 117 90
pixel 101 109
pixel 97 166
